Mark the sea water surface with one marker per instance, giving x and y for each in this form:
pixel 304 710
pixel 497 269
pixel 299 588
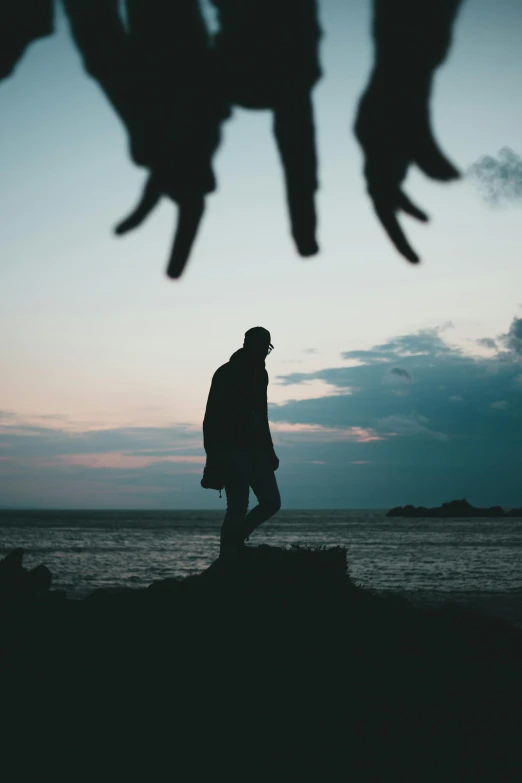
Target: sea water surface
pixel 472 561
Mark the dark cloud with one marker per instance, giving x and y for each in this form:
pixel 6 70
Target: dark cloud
pixel 400 372
pixel 408 425
pixel 424 342
pixel 499 179
pixel 128 467
pixel 513 339
pixel 441 376
pixel 310 350
pixel 19 440
pixel 364 356
pixel 454 432
pixel 487 342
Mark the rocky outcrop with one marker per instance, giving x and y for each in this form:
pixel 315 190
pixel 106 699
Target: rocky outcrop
pixel 19 582
pixel 453 510
pixel 277 662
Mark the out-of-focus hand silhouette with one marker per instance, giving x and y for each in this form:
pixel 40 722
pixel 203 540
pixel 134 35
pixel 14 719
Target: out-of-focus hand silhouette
pixel 393 119
pixel 157 72
pixel 190 211
pixel 267 57
pixel 21 23
pixel 172 84
pixel 408 139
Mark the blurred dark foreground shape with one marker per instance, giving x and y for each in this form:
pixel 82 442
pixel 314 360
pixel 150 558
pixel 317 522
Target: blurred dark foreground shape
pixel 278 664
pixel 173 84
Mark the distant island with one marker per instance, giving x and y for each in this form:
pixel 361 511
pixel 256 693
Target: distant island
pixel 454 509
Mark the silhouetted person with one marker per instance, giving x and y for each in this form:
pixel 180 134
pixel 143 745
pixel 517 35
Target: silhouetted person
pixel 172 83
pixel 238 442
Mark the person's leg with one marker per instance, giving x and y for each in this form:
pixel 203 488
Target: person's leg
pixel 264 484
pixel 237 489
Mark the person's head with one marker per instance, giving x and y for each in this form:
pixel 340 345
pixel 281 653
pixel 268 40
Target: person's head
pixel 257 342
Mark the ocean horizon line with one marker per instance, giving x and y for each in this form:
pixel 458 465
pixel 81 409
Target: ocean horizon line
pixel 198 509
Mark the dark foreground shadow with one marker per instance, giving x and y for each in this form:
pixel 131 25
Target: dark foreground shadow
pixel 279 666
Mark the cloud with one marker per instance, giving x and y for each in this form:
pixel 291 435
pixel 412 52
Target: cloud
pixel 18 438
pixel 407 425
pixel 443 431
pixel 142 467
pixel 499 179
pixel 318 433
pixel 127 461
pixel 513 338
pixel 401 372
pixel 487 342
pixel 356 442
pixel 307 390
pixel 500 405
pixel 423 343
pixel 399 375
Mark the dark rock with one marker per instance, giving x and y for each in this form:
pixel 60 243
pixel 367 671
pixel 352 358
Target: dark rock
pixel 165 584
pixel 57 595
pixel 110 592
pixel 282 644
pixel 453 509
pixel 11 566
pixel 12 573
pixel 39 578
pixel 18 582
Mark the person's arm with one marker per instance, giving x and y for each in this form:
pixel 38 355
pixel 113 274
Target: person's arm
pixel 393 124
pixel 214 414
pixel 275 458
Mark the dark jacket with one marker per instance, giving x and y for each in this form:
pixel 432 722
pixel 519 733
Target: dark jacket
pixel 237 413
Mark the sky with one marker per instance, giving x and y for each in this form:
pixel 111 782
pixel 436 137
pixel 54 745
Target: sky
pixel 389 384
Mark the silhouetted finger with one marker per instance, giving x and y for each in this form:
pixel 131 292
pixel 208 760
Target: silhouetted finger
pixel 386 214
pixel 189 217
pixel 303 217
pixel 429 158
pixel 409 207
pixel 294 131
pixel 149 199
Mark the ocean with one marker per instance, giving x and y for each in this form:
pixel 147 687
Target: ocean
pixel 475 562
